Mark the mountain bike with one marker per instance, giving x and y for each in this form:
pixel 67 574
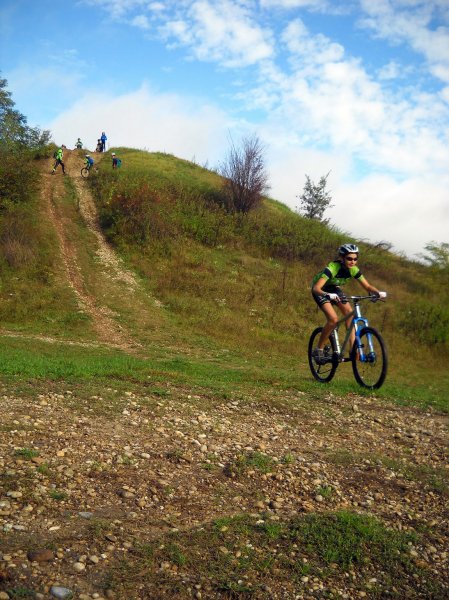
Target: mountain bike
pixel 368 354
pixel 85 171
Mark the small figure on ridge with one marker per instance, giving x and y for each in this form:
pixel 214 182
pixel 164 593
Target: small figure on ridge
pixel 58 156
pixel 116 162
pixel 103 141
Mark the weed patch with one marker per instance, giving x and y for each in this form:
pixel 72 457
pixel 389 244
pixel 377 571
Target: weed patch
pixel 240 556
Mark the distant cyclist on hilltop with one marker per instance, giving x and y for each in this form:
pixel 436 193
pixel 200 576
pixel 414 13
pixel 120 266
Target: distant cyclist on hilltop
pixel 89 161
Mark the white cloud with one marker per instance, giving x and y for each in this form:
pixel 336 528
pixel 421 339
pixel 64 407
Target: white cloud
pixel 445 94
pixel 293 3
pixel 391 70
pixel 222 32
pixel 410 22
pixel 32 88
pixel 376 208
pixel 141 21
pixel 186 127
pixel 156 6
pixel 316 49
pixel 411 213
pixel 117 8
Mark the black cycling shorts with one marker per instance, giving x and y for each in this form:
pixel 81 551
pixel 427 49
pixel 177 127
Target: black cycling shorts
pixel 321 299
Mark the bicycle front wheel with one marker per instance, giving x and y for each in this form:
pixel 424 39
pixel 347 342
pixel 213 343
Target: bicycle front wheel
pixel 323 373
pixel 85 172
pixel 369 359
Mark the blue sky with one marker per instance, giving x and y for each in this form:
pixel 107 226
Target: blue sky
pixel 357 88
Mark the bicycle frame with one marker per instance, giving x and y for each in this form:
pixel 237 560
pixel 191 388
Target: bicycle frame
pixel 358 322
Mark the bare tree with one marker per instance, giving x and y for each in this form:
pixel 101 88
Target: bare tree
pixel 245 175
pixel 315 199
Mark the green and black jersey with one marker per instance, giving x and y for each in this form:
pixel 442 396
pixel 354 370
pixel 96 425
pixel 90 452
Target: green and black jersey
pixel 337 274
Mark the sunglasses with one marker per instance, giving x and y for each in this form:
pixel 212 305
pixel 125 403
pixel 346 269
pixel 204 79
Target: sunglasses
pixel 354 259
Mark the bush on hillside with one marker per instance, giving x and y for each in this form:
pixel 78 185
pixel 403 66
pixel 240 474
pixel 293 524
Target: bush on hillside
pixel 426 322
pixel 18 237
pixel 19 178
pixel 137 210
pixel 291 237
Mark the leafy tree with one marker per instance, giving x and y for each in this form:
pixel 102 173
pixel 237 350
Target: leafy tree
pixel 246 178
pixel 315 199
pixel 14 131
pixel 19 144
pixel 438 255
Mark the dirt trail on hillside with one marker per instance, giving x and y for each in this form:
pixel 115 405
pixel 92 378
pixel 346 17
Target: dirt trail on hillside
pixel 87 208
pixel 108 331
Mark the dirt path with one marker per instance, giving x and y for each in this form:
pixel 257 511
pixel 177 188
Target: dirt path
pixel 105 253
pixel 107 329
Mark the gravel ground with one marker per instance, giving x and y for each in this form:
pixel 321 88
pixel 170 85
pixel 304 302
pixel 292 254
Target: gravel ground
pixel 84 480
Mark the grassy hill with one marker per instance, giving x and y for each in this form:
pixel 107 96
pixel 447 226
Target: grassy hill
pixel 243 282
pixel 162 435
pixel 226 285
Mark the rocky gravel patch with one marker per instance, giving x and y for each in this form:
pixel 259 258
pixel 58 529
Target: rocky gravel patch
pixel 86 481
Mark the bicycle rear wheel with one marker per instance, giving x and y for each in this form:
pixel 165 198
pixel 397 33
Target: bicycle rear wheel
pixel 322 373
pixel 85 172
pixel 370 364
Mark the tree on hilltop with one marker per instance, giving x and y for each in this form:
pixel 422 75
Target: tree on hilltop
pixel 315 199
pixel 246 178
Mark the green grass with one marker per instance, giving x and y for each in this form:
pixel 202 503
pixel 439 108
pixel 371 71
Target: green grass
pixel 436 479
pixel 57 495
pixel 27 453
pixel 250 461
pixel 235 310
pixel 243 554
pixel 222 374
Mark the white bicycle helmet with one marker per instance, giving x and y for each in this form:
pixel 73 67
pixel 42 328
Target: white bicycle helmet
pixel 347 249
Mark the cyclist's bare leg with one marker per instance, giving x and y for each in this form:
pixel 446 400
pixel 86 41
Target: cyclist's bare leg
pixel 346 309
pixel 331 323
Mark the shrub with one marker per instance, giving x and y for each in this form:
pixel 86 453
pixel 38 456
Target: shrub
pixel 245 177
pixel 19 178
pixel 426 322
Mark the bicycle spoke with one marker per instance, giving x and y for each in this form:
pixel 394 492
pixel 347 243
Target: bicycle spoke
pixel 369 362
pixel 322 372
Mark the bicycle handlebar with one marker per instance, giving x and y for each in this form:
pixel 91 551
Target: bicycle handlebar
pixel 370 297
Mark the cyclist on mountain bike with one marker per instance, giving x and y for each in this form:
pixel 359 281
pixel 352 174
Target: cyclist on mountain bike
pixel 327 293
pixel 88 161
